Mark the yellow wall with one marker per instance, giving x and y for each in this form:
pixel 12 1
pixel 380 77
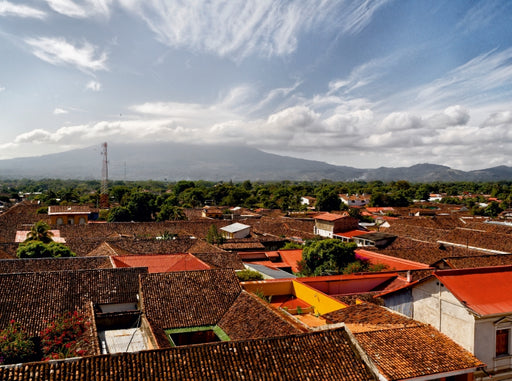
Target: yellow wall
pixel 322 303
pixel 270 288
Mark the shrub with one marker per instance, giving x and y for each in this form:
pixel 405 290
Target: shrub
pixel 248 275
pixel 15 344
pixel 38 249
pixel 64 337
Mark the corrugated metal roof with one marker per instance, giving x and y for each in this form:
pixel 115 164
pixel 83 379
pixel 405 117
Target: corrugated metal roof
pixel 236 227
pixel 485 290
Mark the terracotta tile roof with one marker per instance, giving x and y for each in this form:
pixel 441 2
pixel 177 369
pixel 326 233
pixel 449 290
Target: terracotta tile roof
pixel 284 227
pixel 20 216
pixel 324 355
pixel 248 244
pixel 198 229
pixel 421 251
pixel 415 351
pixel 68 209
pixel 32 298
pixel 53 264
pixel 401 347
pixel 354 299
pixel 162 263
pixel 135 246
pixel 221 260
pixel 200 246
pixel 369 317
pixel 330 216
pixel 8 250
pixel 478 261
pixel 249 318
pixel 187 298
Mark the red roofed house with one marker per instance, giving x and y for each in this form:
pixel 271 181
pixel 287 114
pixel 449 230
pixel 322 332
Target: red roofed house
pixel 69 214
pixel 471 306
pixel 327 224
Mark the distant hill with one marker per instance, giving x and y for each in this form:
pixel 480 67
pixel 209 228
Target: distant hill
pixel 171 162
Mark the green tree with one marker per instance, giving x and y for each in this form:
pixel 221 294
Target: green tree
pixel 40 231
pixel 213 236
pixel 119 191
pixel 327 200
pixel 326 257
pixel 171 213
pixel 291 245
pixel 119 214
pixel 38 249
pixel 141 206
pixel 493 209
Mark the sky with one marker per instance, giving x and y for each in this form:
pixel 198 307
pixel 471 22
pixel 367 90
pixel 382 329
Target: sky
pixel 357 83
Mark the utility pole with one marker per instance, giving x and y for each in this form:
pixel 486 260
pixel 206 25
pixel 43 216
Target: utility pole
pixel 104 203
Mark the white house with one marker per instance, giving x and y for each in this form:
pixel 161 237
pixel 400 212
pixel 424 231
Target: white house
pixel 355 199
pixel 471 306
pixel 307 200
pixel 236 230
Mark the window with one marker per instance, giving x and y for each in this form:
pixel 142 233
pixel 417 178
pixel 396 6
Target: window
pixel 502 339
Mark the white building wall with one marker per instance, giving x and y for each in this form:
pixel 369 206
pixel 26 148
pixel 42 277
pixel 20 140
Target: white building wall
pixel 434 305
pixel 242 233
pixel 323 232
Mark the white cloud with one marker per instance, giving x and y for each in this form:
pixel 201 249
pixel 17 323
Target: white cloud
pixel 9 9
pixel 499 118
pixel 81 8
pixel 476 83
pixel 343 131
pixel 59 111
pixel 2 89
pixel 58 51
pixel 481 15
pixel 241 28
pixel 399 121
pixel 93 86
pixel 35 136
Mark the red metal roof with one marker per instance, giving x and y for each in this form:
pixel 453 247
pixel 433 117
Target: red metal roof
pixel 352 233
pixel 291 257
pixel 393 263
pixel 485 290
pixel 162 263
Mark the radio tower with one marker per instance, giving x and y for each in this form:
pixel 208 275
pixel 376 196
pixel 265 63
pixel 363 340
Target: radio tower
pixel 104 179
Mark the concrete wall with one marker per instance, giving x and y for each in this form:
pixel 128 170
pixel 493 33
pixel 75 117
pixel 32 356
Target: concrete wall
pixel 485 342
pixel 349 286
pixel 400 302
pixel 435 305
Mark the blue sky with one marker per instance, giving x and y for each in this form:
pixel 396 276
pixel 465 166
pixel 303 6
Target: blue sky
pixel 358 83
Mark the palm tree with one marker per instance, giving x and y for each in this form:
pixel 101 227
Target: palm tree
pixel 40 231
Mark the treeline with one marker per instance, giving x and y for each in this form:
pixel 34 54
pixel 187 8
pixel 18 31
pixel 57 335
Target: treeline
pixel 158 200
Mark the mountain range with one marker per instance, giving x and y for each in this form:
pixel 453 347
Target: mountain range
pixel 173 162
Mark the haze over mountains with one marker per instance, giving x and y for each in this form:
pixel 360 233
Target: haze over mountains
pixel 172 162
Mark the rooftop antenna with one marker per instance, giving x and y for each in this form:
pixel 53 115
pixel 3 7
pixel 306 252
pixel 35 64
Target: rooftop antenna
pixel 104 178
